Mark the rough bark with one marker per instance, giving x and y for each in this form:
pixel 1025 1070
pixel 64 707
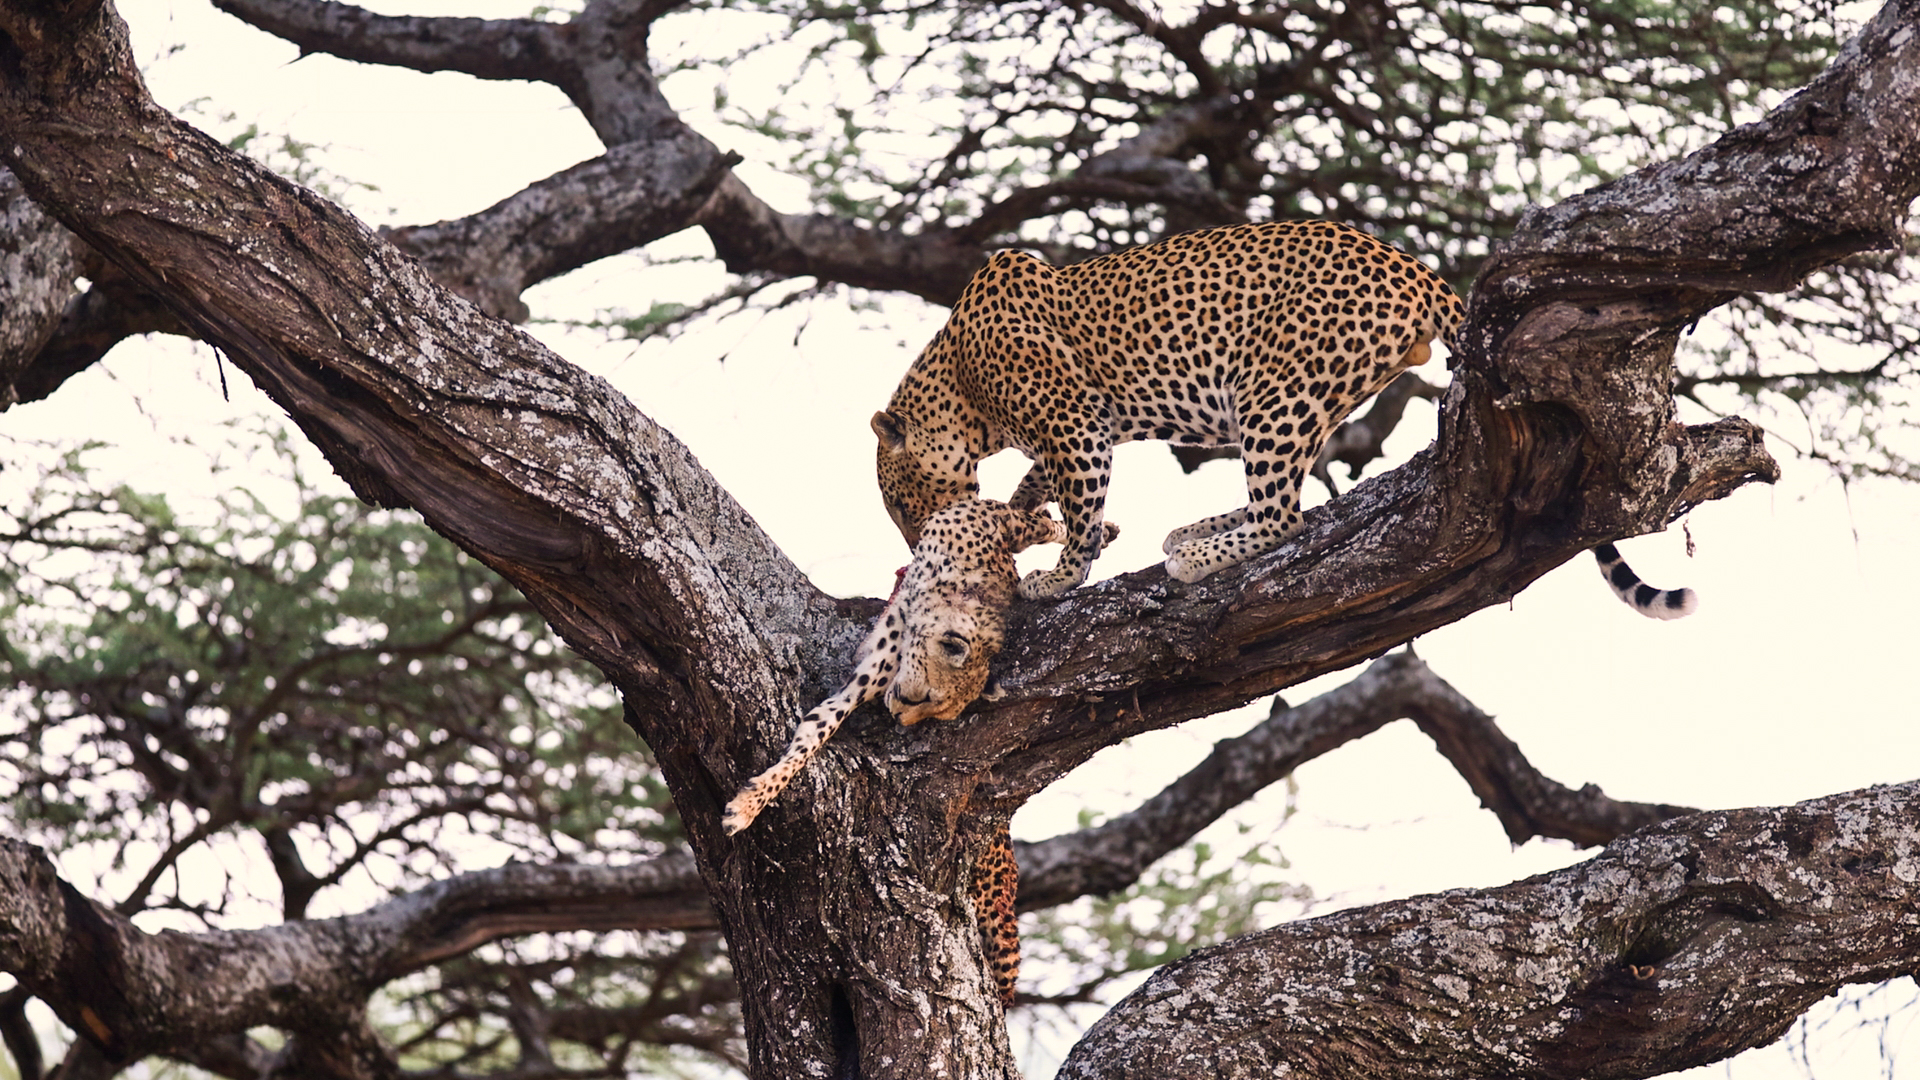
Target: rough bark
pixel 845 908
pixel 39 260
pixel 1679 945
pixel 152 1010
pixel 137 993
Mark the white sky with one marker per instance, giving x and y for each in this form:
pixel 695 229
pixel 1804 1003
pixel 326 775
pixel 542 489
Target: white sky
pixel 1791 682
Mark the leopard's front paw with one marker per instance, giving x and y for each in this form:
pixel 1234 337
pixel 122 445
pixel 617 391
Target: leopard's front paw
pixel 1189 563
pixel 742 810
pixel 1049 582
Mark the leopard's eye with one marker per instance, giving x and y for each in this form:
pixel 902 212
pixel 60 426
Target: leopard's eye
pixel 954 648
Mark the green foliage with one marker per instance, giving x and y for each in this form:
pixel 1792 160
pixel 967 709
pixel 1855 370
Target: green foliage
pixel 276 696
pixel 336 686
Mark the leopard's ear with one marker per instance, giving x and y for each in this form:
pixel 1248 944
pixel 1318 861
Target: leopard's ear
pixel 993 691
pixel 891 429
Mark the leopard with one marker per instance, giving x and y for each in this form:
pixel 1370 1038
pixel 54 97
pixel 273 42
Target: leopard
pixel 1261 336
pixel 928 656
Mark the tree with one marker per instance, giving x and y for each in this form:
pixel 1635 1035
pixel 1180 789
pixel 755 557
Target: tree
pixel 349 695
pixel 714 641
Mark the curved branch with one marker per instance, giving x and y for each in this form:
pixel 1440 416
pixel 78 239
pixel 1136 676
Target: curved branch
pixel 483 48
pixel 1111 856
pixel 1527 803
pixel 1682 944
pixel 632 195
pixel 598 59
pixel 130 992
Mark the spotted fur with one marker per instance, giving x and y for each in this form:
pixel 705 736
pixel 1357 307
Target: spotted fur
pixel 928 654
pixel 1262 336
pixel 996 886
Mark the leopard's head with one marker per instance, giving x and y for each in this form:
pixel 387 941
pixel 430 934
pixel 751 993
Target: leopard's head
pixel 950 640
pixel 921 468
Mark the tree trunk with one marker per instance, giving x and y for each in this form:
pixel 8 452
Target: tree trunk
pixel 845 904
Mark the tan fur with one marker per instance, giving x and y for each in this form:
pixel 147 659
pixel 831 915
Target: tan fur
pixel 996 886
pixel 1262 336
pixel 928 654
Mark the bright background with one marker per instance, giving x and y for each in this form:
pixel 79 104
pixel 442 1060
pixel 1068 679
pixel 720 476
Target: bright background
pixel 1791 682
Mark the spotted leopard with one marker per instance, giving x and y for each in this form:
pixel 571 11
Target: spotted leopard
pixel 929 654
pixel 1260 336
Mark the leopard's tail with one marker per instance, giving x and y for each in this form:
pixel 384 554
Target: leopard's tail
pixel 870 677
pixel 996 888
pixel 1640 596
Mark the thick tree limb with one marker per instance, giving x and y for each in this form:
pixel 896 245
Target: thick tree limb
pixel 39 261
pixel 131 992
pixel 1678 945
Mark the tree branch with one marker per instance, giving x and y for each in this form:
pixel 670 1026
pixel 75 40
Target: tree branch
pixel 632 195
pixel 452 917
pixel 38 265
pixel 598 58
pixel 130 992
pixel 1111 856
pixel 1557 433
pixel 484 48
pixel 1527 803
pixel 1676 946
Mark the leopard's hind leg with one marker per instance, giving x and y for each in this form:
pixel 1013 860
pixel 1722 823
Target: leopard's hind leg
pixel 1276 466
pixel 1203 528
